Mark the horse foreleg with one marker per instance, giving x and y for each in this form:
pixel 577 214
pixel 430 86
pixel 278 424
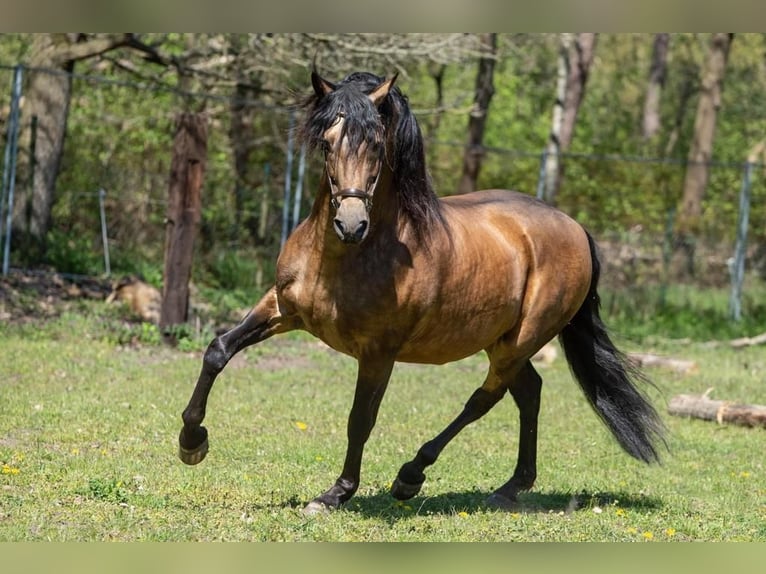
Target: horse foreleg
pixel 525 390
pixel 371 384
pixel 263 321
pixel 411 476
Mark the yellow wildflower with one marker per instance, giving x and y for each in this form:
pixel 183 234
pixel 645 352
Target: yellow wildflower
pixel 8 469
pixel 620 512
pixel 462 514
pixel 648 535
pixel 301 425
pixel 670 532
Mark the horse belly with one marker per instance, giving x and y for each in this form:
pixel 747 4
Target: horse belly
pixel 443 336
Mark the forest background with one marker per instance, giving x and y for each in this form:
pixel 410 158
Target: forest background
pixel 643 138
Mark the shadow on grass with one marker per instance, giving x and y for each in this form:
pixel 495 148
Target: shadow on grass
pixel 383 505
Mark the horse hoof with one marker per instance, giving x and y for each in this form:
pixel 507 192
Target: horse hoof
pixel 403 491
pixel 192 455
pixel 501 502
pixel 315 507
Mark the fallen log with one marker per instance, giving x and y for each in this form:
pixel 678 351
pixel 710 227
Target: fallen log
pixel 703 407
pixel 647 360
pixel 748 341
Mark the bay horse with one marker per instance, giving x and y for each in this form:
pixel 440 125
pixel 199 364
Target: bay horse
pixel 383 270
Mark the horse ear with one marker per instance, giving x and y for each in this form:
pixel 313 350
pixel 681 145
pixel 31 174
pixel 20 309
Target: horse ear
pixel 321 86
pixel 379 94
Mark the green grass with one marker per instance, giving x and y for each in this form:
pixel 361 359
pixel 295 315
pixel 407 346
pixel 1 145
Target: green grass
pixel 88 439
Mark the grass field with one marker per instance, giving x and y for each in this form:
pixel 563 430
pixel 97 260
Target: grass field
pixel 88 439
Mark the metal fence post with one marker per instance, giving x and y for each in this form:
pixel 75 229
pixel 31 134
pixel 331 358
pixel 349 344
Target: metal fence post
pixel 11 153
pixel 738 261
pixel 104 237
pixel 288 182
pixel 299 187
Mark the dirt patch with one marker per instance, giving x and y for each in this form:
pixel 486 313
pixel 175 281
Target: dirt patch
pixel 37 295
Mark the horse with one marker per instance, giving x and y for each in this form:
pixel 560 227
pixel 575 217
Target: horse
pixel 384 270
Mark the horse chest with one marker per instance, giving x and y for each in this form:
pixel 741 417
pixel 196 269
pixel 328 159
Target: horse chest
pixel 346 311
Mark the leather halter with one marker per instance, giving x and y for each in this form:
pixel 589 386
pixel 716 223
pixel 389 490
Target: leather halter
pixel 336 195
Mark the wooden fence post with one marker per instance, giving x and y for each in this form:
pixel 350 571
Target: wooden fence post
pixel 187 171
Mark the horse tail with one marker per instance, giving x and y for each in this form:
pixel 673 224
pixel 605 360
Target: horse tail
pixel 608 378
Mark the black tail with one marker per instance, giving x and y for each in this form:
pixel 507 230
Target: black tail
pixel 609 379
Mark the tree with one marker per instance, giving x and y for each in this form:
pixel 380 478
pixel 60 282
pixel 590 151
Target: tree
pixel 478 117
pixel 700 153
pixel 657 74
pixel 47 98
pixel 575 59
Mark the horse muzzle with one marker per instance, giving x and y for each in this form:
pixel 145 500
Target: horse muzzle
pixel 352 219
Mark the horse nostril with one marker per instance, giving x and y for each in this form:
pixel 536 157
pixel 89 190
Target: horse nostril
pixel 361 229
pixel 339 227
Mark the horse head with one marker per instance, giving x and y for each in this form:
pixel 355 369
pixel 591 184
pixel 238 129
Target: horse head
pixel 352 137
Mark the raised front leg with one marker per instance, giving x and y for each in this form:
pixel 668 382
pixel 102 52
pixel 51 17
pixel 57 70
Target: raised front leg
pixel 371 384
pixel 263 321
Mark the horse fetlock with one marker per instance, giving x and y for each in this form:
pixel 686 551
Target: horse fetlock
pixel 522 479
pixel 193 445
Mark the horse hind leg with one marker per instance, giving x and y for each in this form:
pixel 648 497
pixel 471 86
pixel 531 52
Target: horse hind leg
pixel 411 475
pixel 525 390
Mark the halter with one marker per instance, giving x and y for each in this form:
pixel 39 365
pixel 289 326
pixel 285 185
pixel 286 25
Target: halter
pixel 336 195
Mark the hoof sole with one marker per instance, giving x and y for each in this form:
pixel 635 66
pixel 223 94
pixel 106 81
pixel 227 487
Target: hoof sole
pixel 403 491
pixel 196 455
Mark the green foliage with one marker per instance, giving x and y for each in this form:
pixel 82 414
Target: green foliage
pixel 112 490
pixel 233 269
pixel 644 313
pixel 72 253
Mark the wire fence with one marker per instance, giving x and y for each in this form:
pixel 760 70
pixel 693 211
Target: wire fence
pixel 110 203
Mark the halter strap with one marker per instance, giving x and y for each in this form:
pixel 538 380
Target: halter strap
pixel 336 196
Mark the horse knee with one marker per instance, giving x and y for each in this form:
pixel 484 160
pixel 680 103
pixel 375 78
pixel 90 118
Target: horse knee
pixel 215 357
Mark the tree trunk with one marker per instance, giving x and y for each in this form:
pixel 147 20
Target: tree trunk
pixel 657 74
pixel 484 91
pixel 436 71
pixel 580 60
pixel 187 171
pixel 575 60
pixel 553 149
pixel 47 98
pixel 697 169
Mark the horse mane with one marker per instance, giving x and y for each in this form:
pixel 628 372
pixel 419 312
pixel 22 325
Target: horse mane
pixel 363 123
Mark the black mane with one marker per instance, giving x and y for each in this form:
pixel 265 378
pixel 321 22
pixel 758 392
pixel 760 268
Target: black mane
pixel 393 121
